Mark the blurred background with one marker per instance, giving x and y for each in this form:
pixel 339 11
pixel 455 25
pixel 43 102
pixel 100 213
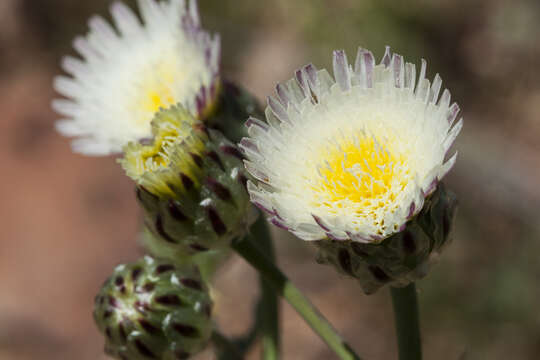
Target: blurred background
pixel 67 220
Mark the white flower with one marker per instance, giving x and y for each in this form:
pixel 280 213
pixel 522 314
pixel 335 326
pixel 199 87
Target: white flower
pixel 129 72
pixel 354 158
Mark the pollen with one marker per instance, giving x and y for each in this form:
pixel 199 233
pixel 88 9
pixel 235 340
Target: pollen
pixel 360 169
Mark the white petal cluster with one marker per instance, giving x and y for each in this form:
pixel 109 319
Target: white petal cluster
pixel 351 157
pixel 130 71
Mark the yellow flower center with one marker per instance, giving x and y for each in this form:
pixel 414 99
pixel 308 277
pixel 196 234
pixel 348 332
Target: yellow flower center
pixel 359 169
pixel 156 156
pixel 167 163
pixel 156 99
pixel 157 87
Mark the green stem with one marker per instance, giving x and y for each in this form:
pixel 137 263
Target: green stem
pixel 406 317
pixel 298 301
pixel 260 236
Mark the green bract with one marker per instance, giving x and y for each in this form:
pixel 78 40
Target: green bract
pixel 208 215
pixel 402 258
pixel 191 183
pixel 152 309
pixel 234 106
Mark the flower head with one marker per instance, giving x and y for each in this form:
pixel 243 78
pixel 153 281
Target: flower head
pixel 191 183
pixel 352 158
pixel 128 72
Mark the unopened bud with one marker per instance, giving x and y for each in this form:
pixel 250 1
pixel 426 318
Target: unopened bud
pixel 151 309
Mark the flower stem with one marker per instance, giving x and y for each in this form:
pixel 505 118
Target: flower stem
pixel 298 301
pixel 406 317
pixel 260 236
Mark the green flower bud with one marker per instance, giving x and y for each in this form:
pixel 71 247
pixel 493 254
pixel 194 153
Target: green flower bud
pixel 402 258
pixel 151 309
pixel 191 185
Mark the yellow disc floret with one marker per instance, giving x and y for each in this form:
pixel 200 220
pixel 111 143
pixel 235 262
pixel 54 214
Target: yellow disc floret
pixel 157 98
pixel 157 85
pixel 167 164
pixel 360 172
